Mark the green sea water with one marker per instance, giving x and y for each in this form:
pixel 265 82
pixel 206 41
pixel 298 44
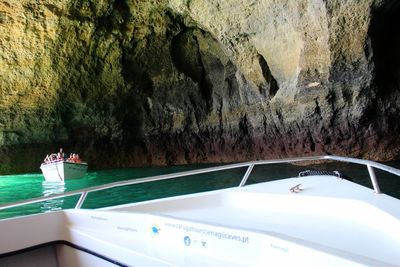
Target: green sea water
pixel 20 187
pixel 25 186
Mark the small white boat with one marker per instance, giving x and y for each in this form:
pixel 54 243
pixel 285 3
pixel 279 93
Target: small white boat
pixel 63 170
pixel 315 220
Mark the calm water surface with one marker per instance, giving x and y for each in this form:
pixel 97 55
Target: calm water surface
pixel 25 186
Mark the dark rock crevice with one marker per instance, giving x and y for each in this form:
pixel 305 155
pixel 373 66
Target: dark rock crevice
pixel 271 87
pixel 231 81
pixel 380 100
pixel 385 40
pixel 186 56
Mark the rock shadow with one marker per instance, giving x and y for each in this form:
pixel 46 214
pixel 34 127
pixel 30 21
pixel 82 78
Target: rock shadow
pixel 385 41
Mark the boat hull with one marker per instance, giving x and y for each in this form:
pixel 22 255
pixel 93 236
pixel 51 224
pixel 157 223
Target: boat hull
pixel 314 220
pixel 62 170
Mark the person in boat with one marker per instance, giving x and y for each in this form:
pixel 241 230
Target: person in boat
pixel 75 158
pixel 47 159
pixel 53 157
pixel 64 156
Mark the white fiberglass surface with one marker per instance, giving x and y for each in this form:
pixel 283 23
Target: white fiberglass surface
pixel 27 231
pixel 329 212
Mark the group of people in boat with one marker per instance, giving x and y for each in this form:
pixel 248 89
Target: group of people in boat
pixel 61 156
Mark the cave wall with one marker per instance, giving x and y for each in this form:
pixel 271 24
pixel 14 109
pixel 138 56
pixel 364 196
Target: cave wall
pixel 132 83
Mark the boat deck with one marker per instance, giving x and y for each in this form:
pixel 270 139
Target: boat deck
pixel 328 214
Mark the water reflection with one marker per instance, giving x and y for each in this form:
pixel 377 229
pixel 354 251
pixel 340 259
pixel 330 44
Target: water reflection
pixel 52 188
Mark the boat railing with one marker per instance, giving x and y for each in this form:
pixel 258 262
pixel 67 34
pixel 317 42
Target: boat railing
pixel 371 165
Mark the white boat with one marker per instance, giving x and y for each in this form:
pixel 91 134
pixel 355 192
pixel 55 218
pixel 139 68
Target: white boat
pixel 61 170
pixel 316 220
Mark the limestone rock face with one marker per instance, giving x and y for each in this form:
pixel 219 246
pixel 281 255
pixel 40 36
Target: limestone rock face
pixel 130 83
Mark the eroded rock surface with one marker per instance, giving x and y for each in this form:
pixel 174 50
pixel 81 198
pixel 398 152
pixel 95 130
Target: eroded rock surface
pixel 130 83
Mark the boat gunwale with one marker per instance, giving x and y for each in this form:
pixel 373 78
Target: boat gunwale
pixel 83 192
pixel 62 161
